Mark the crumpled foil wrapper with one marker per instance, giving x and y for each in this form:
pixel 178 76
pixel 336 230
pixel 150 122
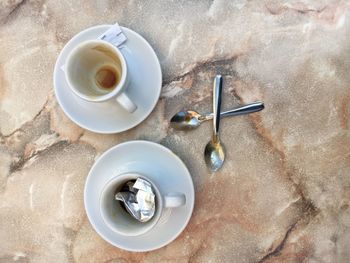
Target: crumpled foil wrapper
pixel 139 199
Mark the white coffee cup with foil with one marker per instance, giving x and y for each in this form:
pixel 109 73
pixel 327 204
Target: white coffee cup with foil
pixel 116 216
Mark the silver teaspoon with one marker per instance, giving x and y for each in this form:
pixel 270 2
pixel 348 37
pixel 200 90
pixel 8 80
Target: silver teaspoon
pixel 214 153
pixel 189 120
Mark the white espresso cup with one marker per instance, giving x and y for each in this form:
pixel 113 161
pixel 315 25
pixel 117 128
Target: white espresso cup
pixel 96 71
pixel 119 220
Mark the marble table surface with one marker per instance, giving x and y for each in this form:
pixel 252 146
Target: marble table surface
pixel 284 192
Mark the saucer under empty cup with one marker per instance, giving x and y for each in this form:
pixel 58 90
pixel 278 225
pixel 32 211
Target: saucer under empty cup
pixel 143 87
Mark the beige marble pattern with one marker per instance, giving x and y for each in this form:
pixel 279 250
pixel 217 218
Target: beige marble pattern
pixel 284 192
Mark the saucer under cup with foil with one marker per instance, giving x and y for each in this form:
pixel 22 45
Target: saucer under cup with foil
pixel 159 165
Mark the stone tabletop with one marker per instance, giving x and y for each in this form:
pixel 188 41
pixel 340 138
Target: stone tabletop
pixel 284 193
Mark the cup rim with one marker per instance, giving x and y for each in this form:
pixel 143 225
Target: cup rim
pixel 157 215
pixel 118 89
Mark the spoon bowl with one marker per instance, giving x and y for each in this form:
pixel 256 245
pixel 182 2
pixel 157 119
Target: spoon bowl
pixel 186 120
pixel 214 154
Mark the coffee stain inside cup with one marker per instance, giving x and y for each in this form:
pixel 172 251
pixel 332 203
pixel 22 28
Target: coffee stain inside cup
pixel 107 77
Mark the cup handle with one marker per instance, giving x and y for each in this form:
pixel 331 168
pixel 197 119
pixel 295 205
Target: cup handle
pixel 174 200
pixel 126 102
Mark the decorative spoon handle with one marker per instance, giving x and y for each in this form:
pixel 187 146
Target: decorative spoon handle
pixel 246 109
pixel 217 89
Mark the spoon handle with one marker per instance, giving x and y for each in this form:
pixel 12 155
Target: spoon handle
pixel 246 109
pixel 217 89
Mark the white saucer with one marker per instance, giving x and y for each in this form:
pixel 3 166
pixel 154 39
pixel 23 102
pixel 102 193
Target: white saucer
pixel 164 168
pixel 144 88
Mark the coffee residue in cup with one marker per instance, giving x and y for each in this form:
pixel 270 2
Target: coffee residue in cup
pixel 107 77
